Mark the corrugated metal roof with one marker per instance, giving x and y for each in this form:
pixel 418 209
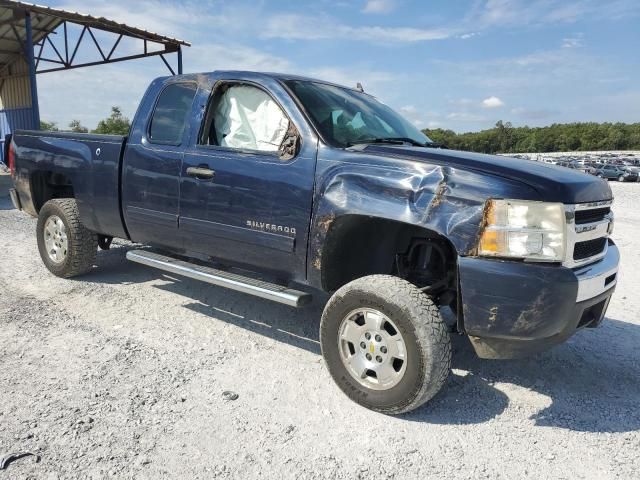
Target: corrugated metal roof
pixel 46 19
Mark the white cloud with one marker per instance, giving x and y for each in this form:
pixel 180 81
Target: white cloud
pixel 462 102
pixel 69 95
pixel 492 102
pixel 413 114
pixel 572 42
pixel 466 117
pixel 507 13
pixel 303 27
pixel 228 56
pixel 533 114
pixel 374 82
pixel 409 110
pixel 170 19
pixel 379 6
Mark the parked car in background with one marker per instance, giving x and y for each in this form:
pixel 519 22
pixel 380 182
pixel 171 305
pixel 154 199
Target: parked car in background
pixel 634 171
pixel 586 169
pixel 582 167
pixel 618 172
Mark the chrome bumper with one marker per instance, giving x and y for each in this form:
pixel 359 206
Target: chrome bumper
pixel 15 199
pixel 597 278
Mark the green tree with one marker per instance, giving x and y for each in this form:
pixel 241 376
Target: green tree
pixel 48 126
pixel 115 124
pixel 77 127
pixel 504 138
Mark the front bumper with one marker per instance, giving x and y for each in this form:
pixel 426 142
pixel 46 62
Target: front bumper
pixel 513 309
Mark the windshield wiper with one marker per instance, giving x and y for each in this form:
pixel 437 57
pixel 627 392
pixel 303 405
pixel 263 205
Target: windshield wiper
pixel 396 141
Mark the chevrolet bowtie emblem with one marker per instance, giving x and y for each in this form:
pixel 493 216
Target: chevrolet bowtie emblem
pixel 372 348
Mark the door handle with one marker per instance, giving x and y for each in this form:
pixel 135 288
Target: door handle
pixel 202 173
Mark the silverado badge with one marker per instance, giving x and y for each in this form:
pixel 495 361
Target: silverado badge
pixel 271 227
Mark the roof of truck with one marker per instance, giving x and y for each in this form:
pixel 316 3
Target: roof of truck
pixel 248 74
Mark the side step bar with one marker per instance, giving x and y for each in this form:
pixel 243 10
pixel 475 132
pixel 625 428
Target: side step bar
pixel 233 281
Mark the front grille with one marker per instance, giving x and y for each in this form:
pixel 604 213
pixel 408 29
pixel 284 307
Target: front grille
pixel 591 216
pixel 590 248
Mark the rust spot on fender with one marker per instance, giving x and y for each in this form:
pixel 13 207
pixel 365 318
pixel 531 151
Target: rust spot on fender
pixel 438 196
pixel 324 223
pixel 317 263
pixel 323 226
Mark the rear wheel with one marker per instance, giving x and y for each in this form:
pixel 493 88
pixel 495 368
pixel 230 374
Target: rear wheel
pixel 621 178
pixel 385 344
pixel 66 247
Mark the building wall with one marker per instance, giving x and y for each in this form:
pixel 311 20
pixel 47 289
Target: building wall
pixel 15 101
pixel 14 87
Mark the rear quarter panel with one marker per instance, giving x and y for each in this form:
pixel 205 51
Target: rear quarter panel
pixel 91 163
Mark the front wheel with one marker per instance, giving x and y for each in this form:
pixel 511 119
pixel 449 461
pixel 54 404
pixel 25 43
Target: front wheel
pixel 66 247
pixel 385 344
pixel 621 178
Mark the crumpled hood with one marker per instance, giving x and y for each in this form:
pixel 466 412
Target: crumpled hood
pixel 553 183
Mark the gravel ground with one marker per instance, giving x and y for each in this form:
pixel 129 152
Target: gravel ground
pixel 121 374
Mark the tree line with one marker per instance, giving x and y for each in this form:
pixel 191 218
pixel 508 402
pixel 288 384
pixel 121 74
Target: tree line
pixel 114 124
pixel 559 137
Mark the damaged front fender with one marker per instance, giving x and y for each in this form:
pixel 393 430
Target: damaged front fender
pixel 426 193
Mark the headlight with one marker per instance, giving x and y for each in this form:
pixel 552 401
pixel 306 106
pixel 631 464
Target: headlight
pixel 522 229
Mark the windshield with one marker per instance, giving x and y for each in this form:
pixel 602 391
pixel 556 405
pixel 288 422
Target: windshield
pixel 347 117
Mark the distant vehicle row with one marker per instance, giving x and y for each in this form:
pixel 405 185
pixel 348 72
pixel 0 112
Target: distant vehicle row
pixel 622 172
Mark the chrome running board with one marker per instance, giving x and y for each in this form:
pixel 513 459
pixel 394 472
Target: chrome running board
pixel 232 281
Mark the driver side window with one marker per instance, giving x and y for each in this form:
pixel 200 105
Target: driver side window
pixel 245 117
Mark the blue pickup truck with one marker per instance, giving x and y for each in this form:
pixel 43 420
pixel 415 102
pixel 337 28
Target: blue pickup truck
pixel 281 186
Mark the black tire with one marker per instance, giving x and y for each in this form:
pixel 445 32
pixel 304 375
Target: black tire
pixel 621 178
pixel 82 244
pixel 427 340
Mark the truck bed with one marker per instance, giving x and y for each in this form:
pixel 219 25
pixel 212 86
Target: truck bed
pixel 49 162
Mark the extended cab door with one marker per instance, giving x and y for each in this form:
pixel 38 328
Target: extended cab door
pixel 242 200
pixel 153 162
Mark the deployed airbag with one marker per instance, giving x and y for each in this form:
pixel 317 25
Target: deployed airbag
pixel 247 117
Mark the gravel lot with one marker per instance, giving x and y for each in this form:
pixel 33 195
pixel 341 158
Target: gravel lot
pixel 121 374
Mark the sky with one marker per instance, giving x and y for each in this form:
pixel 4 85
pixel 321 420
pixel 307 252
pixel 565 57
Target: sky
pixel 455 64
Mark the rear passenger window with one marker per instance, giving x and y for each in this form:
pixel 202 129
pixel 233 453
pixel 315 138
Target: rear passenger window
pixel 170 115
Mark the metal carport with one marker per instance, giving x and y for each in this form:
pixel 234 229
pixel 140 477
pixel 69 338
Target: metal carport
pixel 37 39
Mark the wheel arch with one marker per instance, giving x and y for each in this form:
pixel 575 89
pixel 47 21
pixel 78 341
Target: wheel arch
pixel 359 245
pixel 48 185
